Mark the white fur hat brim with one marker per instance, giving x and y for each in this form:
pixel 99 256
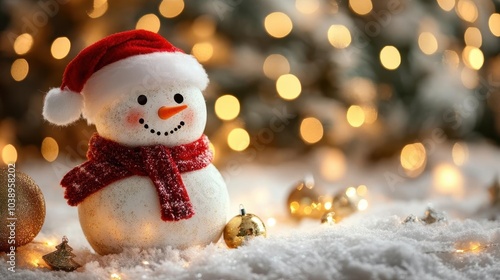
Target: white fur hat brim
pixel 138 73
pixel 62 107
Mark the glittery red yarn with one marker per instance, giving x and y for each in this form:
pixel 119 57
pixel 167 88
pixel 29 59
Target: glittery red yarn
pixel 109 162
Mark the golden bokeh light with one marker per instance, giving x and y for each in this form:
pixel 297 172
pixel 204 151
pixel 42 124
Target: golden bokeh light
pixel 451 58
pixel 227 107
pixel 9 154
pixel 171 8
pixel 460 153
pixel 288 86
pixel 448 180
pixel 99 8
pixel 238 139
pixel 494 24
pixel 271 222
pixel 473 57
pixel 60 47
pixel 360 90
pixel 275 65
pixel 355 116
pixel 361 7
pixel 333 165
pixel 278 24
pixel 473 37
pixel 362 204
pixel 355 195
pixel 371 114
pixel 469 78
pixel 467 10
pixel 294 206
pixel 476 58
pixel 204 26
pixel 427 43
pixel 49 149
pixel 413 159
pixel 328 205
pixel 19 69
pixel 362 190
pixel 446 5
pixel 307 6
pixel 390 57
pixel 339 36
pixel 203 51
pixel 23 43
pixel 149 22
pixel 311 130
pixel 350 191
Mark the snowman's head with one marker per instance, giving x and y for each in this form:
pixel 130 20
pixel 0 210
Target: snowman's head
pixel 170 115
pixel 136 87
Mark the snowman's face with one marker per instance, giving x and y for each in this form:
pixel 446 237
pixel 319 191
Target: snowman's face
pixel 170 116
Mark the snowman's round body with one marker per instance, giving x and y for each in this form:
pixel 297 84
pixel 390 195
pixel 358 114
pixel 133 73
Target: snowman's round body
pixel 127 213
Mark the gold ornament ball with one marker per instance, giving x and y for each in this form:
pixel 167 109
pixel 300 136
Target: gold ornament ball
pixel 242 228
pixel 344 206
pixel 349 201
pixel 22 208
pixel 304 201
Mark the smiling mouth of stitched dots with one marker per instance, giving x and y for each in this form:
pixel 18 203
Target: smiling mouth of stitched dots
pixel 157 132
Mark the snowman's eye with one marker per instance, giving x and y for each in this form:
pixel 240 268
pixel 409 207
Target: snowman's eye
pixel 142 99
pixel 178 98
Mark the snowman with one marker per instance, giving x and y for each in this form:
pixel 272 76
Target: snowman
pixel 148 181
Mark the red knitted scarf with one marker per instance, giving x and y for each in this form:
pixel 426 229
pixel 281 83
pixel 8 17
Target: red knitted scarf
pixel 109 162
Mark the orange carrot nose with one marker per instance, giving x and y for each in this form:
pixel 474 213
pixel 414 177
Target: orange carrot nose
pixel 167 112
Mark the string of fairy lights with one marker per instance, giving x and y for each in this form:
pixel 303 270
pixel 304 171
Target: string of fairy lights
pixel 473 247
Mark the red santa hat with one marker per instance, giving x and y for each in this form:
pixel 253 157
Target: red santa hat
pixel 119 64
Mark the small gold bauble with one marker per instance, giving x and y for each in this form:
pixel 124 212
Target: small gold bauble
pixel 243 227
pixel 304 201
pixel 349 201
pixel 431 216
pixel 22 208
pixel 329 218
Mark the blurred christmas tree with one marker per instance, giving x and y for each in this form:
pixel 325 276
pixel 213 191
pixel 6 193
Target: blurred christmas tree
pixel 365 76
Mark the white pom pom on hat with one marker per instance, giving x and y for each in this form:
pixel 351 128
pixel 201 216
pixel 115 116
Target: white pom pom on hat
pixel 62 107
pixel 99 72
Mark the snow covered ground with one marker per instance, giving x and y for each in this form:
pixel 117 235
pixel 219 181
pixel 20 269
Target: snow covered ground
pixel 372 244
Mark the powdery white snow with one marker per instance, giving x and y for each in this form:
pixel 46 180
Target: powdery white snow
pixel 368 245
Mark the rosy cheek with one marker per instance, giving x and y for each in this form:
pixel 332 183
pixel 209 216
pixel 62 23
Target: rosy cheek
pixel 189 116
pixel 133 117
